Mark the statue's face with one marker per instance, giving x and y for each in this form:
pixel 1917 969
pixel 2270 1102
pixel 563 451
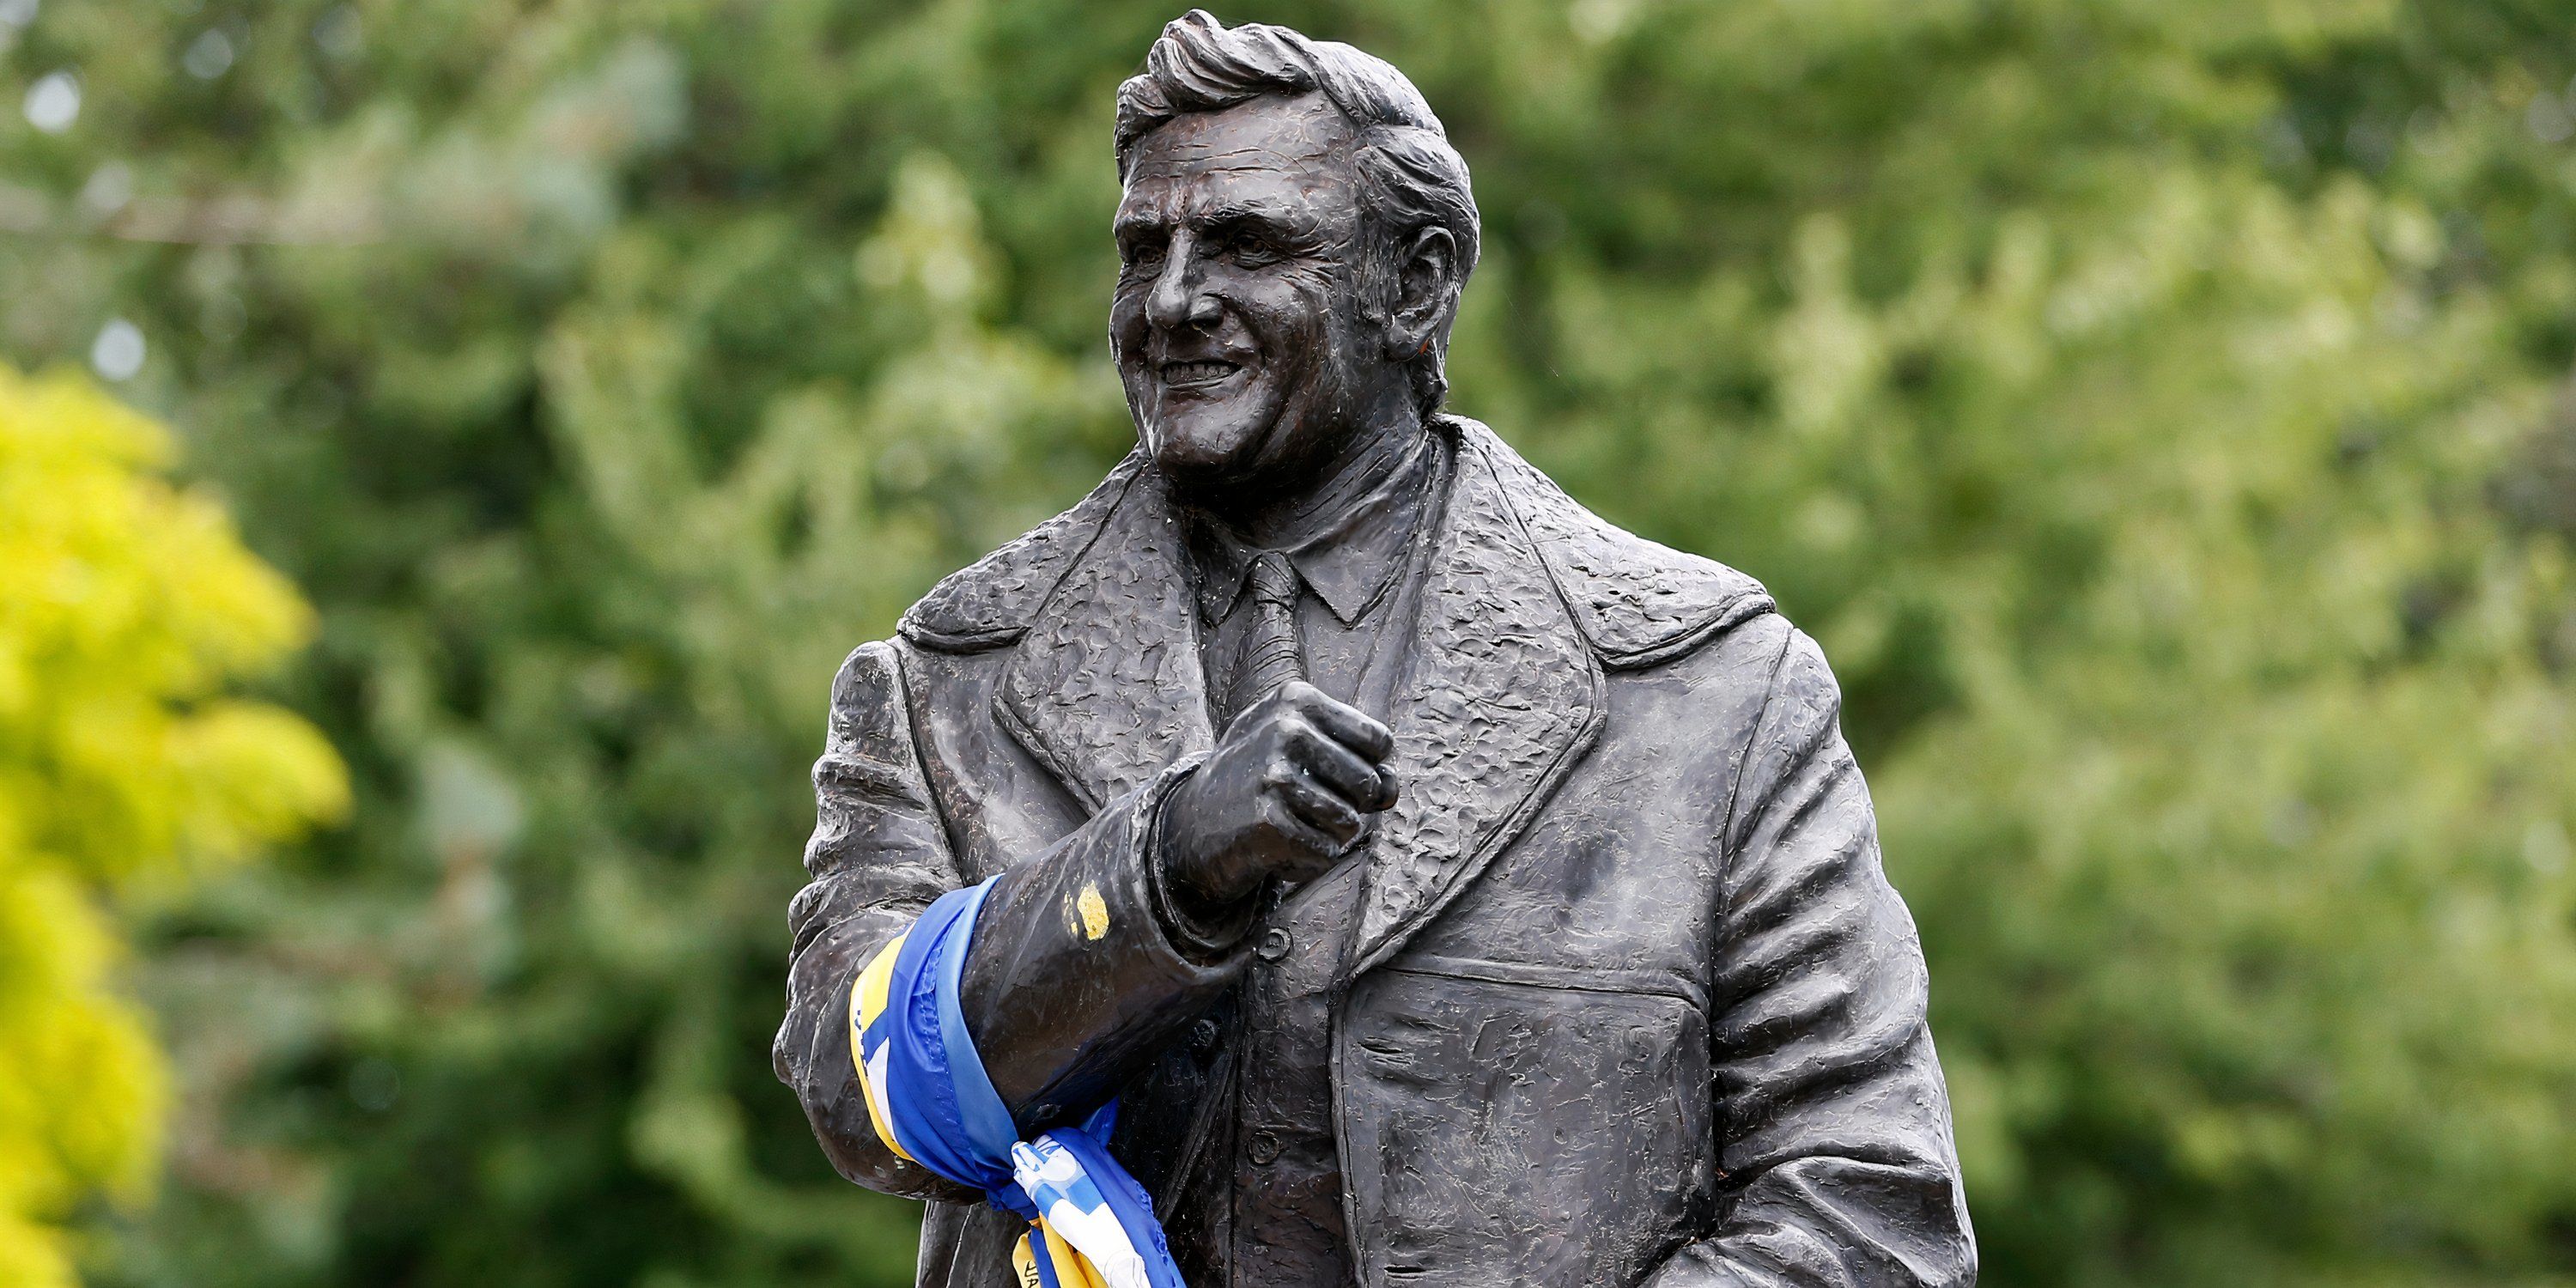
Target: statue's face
pixel 1238 322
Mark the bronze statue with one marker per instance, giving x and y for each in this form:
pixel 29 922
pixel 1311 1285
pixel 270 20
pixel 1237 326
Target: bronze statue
pixel 1451 887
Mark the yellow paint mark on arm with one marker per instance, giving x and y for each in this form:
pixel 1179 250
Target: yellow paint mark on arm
pixel 1094 910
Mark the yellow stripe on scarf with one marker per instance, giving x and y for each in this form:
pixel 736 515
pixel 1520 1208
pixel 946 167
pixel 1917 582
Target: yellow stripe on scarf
pixel 868 996
pixel 1072 1269
pixel 1024 1264
pixel 867 1002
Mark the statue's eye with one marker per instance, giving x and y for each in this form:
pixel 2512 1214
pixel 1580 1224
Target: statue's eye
pixel 1252 251
pixel 1142 253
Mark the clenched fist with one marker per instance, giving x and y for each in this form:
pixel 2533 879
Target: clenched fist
pixel 1285 794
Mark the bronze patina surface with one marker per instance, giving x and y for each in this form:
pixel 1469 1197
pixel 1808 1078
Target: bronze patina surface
pixel 1456 888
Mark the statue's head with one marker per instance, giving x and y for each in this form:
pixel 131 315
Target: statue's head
pixel 1293 236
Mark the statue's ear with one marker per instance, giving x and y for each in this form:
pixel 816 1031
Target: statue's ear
pixel 1426 289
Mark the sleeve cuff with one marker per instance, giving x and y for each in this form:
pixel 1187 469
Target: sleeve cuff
pixel 1202 934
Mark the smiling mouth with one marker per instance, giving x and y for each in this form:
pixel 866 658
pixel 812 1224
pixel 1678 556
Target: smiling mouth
pixel 1198 373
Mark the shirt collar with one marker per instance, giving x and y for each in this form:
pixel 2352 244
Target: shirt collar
pixel 1349 566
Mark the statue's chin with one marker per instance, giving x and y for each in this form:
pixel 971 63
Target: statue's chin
pixel 1207 445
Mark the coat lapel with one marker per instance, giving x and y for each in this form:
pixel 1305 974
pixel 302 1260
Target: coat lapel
pixel 1503 697
pixel 1106 688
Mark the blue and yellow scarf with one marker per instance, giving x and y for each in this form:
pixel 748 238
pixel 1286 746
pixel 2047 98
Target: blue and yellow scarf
pixel 1091 1224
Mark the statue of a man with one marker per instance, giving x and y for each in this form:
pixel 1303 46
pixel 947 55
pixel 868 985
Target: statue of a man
pixel 1446 886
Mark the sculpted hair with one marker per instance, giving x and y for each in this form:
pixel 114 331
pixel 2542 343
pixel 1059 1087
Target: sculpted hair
pixel 1411 178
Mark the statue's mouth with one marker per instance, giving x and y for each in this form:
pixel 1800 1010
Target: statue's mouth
pixel 1198 373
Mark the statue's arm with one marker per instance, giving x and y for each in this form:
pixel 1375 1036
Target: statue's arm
pixel 1838 1167
pixel 878 857
pixel 1084 966
pixel 1079 969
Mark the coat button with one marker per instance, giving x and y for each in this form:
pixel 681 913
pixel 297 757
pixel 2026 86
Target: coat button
pixel 1274 943
pixel 1264 1148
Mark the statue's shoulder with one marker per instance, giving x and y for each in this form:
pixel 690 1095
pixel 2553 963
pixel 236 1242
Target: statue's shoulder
pixel 1638 602
pixel 989 603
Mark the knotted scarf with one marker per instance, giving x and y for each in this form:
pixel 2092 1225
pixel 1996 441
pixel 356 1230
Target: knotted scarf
pixel 1091 1224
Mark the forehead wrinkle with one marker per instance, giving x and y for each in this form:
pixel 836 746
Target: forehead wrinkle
pixel 1229 210
pixel 1246 155
pixel 1263 159
pixel 1301 129
pixel 1284 165
pixel 1205 197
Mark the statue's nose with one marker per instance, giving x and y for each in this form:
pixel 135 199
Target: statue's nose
pixel 1179 297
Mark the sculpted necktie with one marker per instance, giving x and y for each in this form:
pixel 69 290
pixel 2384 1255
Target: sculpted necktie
pixel 1271 655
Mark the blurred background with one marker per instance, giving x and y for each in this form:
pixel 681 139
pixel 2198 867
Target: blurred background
pixel 451 444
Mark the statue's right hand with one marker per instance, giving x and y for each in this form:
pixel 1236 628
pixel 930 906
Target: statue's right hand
pixel 1285 794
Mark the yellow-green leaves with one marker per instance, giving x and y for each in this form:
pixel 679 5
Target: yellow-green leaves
pixel 125 607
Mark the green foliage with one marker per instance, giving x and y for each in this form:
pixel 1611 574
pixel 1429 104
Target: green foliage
pixel 125 607
pixel 2149 405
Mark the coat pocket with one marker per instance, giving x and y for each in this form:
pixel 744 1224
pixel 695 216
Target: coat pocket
pixel 1522 1133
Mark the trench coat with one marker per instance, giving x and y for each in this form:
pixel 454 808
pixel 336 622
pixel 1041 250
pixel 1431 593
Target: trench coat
pixel 1628 1001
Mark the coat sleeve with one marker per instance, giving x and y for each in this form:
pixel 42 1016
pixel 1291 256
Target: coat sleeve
pixel 1075 976
pixel 1837 1164
pixel 878 857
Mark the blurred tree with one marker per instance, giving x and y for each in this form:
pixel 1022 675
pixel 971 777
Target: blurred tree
pixel 2150 406
pixel 124 609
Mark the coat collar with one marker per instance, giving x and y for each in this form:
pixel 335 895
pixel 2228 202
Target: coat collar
pixel 1106 688
pixel 1502 696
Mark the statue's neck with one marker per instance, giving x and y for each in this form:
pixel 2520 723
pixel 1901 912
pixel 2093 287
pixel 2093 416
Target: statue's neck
pixel 1275 514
